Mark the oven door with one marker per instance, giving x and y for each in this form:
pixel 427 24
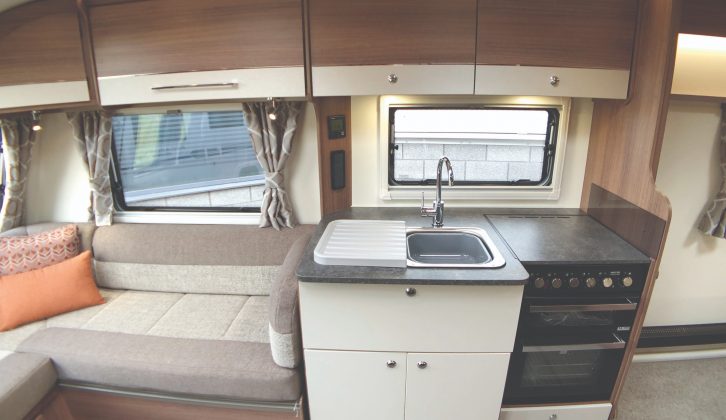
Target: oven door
pixel 553 370
pixel 574 317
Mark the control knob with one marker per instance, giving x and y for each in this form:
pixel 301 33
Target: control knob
pixel 556 282
pixel 574 282
pixel 627 281
pixel 607 282
pixel 590 282
pixel 539 282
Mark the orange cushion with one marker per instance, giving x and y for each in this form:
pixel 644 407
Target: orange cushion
pixel 52 290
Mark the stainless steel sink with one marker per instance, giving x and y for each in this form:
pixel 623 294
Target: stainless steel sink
pixel 451 247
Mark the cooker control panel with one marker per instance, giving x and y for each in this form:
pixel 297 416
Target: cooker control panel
pixel 586 279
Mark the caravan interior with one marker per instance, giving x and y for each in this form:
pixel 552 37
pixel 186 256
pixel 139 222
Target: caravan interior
pixel 363 210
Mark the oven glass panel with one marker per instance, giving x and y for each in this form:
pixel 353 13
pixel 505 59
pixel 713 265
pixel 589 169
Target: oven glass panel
pixel 571 319
pixel 551 368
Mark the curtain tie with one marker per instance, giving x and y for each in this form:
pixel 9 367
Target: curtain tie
pixel 274 179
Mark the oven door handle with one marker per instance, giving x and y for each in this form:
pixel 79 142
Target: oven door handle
pixel 618 344
pixel 598 307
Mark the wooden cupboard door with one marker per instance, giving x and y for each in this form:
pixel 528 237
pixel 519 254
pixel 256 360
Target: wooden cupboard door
pixel 41 43
pixel 355 385
pixel 377 32
pixel 172 36
pixel 557 33
pixel 464 386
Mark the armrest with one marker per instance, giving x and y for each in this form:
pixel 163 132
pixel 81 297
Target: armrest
pixel 285 340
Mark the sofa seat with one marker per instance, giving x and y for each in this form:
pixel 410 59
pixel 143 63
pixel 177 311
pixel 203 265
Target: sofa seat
pixel 24 381
pixel 162 314
pixel 214 369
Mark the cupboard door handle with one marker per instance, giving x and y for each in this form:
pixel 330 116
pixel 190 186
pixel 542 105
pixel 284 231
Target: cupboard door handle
pixel 554 80
pixel 422 364
pixel 392 78
pixel 391 363
pixel 410 291
pixel 196 86
pixel 553 417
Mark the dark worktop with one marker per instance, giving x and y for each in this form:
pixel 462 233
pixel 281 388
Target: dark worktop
pixel 563 239
pixel 511 274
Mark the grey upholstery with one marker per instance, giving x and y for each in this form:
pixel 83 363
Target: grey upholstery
pixel 24 381
pixel 194 244
pixel 285 340
pixel 206 368
pixel 85 230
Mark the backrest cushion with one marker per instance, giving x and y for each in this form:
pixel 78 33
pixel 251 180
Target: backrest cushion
pixel 19 254
pixel 217 259
pixel 49 291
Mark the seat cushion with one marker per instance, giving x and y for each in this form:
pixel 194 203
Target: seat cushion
pixel 233 370
pixel 24 381
pixel 194 316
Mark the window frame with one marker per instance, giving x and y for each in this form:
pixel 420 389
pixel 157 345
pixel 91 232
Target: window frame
pixel 470 195
pixel 119 200
pixel 550 146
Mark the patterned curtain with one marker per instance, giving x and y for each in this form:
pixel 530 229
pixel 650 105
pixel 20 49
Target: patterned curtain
pixel 92 131
pixel 18 139
pixel 272 140
pixel 714 221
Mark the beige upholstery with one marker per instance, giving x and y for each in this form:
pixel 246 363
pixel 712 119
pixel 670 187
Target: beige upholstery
pixel 195 316
pixel 84 229
pixel 208 368
pixel 24 381
pixel 194 244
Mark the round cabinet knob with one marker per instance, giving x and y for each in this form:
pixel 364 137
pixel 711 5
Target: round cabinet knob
pixel 553 417
pixel 391 363
pixel 392 78
pixel 410 291
pixel 539 283
pixel 627 281
pixel 554 80
pixel 556 282
pixel 590 282
pixel 574 282
pixel 607 282
pixel 422 364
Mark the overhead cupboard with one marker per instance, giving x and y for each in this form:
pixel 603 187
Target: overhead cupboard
pixel 187 50
pixel 489 47
pixel 42 56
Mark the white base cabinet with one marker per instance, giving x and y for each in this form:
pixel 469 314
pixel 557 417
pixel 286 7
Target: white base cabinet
pixel 558 412
pixel 411 386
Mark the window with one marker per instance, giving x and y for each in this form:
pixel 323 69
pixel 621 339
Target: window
pixel 486 145
pixel 185 161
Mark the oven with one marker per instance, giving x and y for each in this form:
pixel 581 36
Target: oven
pixel 573 328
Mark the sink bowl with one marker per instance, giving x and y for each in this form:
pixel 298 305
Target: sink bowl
pixel 451 247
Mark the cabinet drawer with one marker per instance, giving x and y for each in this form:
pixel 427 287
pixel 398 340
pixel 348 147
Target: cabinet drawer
pixel 383 317
pixel 203 85
pixel 393 79
pixel 563 412
pixel 523 80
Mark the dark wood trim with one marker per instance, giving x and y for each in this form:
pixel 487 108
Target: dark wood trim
pixel 64 403
pixel 341 199
pixel 306 50
pixel 563 33
pixel 89 59
pixel 704 17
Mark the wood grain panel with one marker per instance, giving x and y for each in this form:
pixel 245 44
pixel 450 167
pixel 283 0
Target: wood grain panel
pixel 41 43
pixel 168 36
pixel 346 33
pixel 91 405
pixel 334 200
pixel 625 143
pixel 704 17
pixel 556 33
